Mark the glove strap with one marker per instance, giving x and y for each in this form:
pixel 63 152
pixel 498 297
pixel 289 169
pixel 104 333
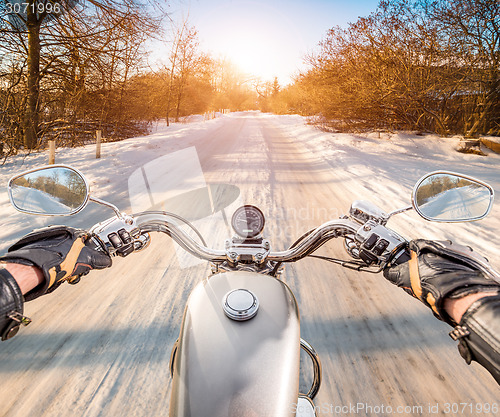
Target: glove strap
pixel 11 306
pixel 414 275
pixel 416 285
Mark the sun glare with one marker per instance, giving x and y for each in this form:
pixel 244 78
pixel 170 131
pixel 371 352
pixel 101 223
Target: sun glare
pixel 253 56
pixel 257 38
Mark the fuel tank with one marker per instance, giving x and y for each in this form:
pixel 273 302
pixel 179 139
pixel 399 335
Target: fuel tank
pixel 225 367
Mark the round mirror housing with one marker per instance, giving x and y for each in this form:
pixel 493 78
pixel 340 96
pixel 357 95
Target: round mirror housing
pixel 55 190
pixel 450 197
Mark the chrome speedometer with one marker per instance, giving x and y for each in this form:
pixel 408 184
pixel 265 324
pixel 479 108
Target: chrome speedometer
pixel 248 221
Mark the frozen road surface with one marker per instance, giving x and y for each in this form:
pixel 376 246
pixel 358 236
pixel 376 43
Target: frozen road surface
pixel 457 203
pixel 102 348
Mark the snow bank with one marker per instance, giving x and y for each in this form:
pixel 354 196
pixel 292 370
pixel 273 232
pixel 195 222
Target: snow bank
pixel 108 176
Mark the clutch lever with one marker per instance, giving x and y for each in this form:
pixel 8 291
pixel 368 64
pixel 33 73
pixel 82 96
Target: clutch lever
pixel 354 265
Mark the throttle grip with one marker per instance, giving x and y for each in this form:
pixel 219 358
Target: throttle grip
pixel 401 255
pixel 96 243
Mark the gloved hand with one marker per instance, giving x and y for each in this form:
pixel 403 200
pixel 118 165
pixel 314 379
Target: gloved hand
pixel 436 272
pixel 62 253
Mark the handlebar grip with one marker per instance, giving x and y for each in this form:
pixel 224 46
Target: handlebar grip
pixel 94 242
pixel 401 256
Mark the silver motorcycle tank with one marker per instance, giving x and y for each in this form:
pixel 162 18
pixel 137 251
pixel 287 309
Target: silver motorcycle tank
pixel 225 367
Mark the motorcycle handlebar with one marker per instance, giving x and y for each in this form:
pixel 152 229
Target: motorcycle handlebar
pixel 158 222
pixel 321 235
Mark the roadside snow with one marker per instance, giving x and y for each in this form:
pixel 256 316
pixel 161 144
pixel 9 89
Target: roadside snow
pixel 108 176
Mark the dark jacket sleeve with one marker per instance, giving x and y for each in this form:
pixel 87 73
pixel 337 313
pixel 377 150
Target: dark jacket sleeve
pixel 11 306
pixel 479 334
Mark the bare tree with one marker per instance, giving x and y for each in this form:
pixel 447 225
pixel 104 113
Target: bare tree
pixel 183 59
pixel 44 30
pixel 472 28
pixel 418 64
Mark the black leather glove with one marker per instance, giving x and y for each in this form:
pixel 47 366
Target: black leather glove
pixel 437 271
pixel 62 253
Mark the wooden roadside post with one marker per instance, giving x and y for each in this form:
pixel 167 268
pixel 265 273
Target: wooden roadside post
pixel 98 144
pixel 52 152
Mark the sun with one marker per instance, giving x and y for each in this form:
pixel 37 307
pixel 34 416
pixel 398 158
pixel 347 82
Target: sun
pixel 256 38
pixel 253 56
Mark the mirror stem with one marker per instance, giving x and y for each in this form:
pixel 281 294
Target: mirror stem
pixel 392 213
pixel 105 203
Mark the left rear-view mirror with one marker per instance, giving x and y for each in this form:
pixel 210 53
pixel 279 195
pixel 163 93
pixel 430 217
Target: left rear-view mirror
pixel 55 190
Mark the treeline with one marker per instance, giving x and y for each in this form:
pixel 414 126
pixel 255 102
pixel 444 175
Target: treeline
pixel 65 67
pixel 425 65
pixel 69 190
pixel 439 184
pixel 63 75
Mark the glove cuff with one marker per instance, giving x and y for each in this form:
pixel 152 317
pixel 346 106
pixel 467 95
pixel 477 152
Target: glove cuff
pixel 444 271
pixel 478 334
pixel 11 306
pixel 39 290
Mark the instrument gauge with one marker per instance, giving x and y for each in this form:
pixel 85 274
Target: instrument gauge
pixel 248 221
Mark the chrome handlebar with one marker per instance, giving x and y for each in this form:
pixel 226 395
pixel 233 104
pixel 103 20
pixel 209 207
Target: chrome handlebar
pixel 149 222
pixel 157 222
pixel 321 235
pixel 366 240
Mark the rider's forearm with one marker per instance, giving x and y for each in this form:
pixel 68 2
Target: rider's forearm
pixel 457 307
pixel 27 277
pixel 478 331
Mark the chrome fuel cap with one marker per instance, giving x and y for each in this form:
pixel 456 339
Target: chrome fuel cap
pixel 240 304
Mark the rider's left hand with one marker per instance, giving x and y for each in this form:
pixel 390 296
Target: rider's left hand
pixel 62 254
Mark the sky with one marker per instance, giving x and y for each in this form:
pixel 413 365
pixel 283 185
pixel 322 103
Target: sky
pixel 267 38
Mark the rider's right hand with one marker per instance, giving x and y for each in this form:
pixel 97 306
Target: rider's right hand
pixel 437 274
pixel 433 275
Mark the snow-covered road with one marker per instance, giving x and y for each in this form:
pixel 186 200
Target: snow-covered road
pixel 37 201
pixel 102 348
pixel 457 203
